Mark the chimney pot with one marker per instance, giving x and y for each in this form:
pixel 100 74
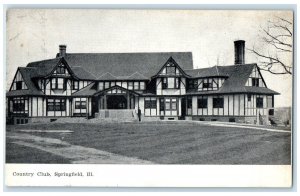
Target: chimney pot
pixel 239 52
pixel 62 50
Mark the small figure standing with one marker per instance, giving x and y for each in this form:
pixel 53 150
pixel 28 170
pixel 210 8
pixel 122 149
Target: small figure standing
pixel 139 114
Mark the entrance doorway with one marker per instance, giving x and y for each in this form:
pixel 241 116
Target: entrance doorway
pixel 116 102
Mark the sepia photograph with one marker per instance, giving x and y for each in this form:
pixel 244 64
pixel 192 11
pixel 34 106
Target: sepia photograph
pixel 149 87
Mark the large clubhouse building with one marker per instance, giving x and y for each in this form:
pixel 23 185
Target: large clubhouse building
pixel 163 85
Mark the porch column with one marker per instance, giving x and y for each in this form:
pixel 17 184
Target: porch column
pixel 128 100
pixel 104 102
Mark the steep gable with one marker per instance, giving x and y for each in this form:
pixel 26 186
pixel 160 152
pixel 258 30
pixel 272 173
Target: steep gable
pixel 171 68
pixel 18 82
pixel 255 78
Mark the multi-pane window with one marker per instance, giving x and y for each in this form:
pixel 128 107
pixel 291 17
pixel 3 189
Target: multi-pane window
pixel 202 102
pixel 171 104
pixel 150 103
pixel 259 102
pixel 80 104
pixel 75 85
pixel 218 102
pixel 19 105
pixel 130 85
pixel 136 85
pixel 57 83
pixel 56 105
pixel 193 84
pixel 207 83
pixel 142 85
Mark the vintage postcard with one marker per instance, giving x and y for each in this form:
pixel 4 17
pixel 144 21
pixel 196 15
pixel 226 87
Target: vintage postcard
pixel 149 98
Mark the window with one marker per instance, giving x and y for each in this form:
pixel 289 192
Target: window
pixel 207 83
pixel 80 104
pixel 170 83
pixel 255 81
pixel 19 105
pixel 218 102
pixel 75 85
pixel 177 82
pixel 107 85
pixel 259 102
pixel 193 84
pixel 101 86
pixel 164 83
pixel 171 104
pixel 202 102
pixel 60 69
pixel 57 83
pixel 56 104
pixel 249 97
pixel 150 103
pixel 130 85
pixel 142 85
pixel 189 102
pixel 136 85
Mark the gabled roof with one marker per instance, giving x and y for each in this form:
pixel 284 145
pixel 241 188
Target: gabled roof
pixel 44 67
pixel 218 71
pixel 27 74
pixel 122 65
pixel 235 83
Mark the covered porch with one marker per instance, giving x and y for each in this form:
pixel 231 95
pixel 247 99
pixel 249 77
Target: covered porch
pixel 114 102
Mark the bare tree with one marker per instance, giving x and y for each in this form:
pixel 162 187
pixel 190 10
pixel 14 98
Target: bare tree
pixel 278 38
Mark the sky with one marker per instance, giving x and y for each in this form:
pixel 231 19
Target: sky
pixel 33 35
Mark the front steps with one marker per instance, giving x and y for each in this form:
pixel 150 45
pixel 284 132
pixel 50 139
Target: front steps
pixel 116 115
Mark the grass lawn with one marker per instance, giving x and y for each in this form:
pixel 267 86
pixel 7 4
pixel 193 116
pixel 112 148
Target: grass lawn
pixel 161 142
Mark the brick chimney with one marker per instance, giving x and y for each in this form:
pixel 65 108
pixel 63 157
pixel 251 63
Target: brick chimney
pixel 239 52
pixel 62 50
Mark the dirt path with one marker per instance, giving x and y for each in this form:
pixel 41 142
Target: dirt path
pixel 77 154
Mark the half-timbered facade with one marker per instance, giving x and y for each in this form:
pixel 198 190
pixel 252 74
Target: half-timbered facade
pixel 162 85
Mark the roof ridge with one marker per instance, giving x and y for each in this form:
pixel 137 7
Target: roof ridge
pixel 44 60
pixel 127 53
